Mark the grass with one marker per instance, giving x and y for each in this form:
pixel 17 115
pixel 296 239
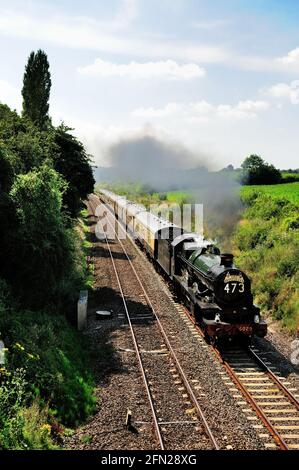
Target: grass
pixel 289 191
pixel 267 247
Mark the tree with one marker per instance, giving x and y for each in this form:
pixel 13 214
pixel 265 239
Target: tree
pixel 256 171
pixel 36 89
pixel 42 248
pixel 73 164
pixel 6 171
pixel 27 146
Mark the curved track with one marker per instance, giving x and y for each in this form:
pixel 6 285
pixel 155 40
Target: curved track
pixel 198 429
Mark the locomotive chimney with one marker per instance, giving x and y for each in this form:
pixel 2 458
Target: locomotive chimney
pixel 226 260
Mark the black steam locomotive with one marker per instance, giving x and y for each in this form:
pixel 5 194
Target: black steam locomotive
pixel 216 292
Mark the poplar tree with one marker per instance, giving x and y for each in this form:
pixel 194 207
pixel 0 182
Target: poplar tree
pixel 36 89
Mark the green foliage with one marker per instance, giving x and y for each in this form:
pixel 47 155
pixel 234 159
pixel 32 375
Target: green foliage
pixel 44 249
pixel 289 177
pixel 73 164
pixel 268 242
pixel 289 191
pixel 21 427
pixel 256 171
pixel 26 146
pixel 54 360
pixel 44 173
pixel 36 89
pixel 6 170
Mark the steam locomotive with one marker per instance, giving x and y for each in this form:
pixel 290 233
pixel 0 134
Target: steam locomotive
pixel 215 291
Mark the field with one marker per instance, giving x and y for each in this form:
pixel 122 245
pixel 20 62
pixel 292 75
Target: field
pixel 289 191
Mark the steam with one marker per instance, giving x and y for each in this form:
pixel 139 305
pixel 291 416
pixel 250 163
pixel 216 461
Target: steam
pixel 164 165
pixel 160 164
pixel 220 196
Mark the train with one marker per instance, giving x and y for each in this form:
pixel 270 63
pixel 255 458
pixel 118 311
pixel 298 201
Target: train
pixel 217 294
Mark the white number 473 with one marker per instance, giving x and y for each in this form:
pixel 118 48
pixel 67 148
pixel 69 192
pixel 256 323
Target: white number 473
pixel 230 287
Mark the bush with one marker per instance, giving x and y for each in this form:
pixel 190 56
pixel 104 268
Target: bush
pixel 268 240
pixel 256 171
pixel 22 427
pixel 54 358
pixel 44 249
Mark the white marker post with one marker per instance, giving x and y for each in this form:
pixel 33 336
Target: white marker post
pixel 82 310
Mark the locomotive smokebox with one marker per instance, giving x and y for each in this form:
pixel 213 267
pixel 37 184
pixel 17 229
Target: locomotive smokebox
pixel 227 260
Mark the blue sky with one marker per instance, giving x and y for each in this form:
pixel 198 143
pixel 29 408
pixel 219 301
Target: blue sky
pixel 220 78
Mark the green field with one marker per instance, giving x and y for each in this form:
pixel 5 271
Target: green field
pixel 289 191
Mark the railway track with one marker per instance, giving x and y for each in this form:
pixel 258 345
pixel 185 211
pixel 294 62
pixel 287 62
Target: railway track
pixel 176 412
pixel 268 395
pixel 271 402
pixel 273 405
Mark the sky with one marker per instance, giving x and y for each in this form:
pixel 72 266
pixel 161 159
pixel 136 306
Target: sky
pixel 220 78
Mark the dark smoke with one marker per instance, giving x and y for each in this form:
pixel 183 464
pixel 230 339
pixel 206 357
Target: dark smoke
pixel 164 166
pixel 147 160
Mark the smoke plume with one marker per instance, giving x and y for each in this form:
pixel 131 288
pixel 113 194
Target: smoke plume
pixel 164 166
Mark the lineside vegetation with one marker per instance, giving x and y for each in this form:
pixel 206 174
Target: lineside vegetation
pixel 46 381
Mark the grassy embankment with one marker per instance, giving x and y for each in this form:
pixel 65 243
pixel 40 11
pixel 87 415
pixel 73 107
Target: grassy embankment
pixel 267 247
pixel 46 383
pixel 46 380
pixel 265 242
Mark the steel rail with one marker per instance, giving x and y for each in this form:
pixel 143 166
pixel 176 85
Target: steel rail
pixel 276 436
pixel 169 346
pixel 275 379
pixel 136 347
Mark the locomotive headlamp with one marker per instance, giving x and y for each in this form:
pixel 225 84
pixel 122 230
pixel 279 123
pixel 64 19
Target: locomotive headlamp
pixel 217 318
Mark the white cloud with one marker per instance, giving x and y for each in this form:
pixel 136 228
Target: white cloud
pixel 86 33
pixel 291 58
pixel 287 64
pixel 284 90
pixel 167 69
pixel 204 110
pixel 10 95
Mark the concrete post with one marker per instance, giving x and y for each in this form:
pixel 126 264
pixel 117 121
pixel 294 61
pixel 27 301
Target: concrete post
pixel 82 310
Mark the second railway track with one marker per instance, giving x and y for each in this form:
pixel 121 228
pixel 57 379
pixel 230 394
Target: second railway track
pixel 270 396
pixel 272 399
pixel 177 417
